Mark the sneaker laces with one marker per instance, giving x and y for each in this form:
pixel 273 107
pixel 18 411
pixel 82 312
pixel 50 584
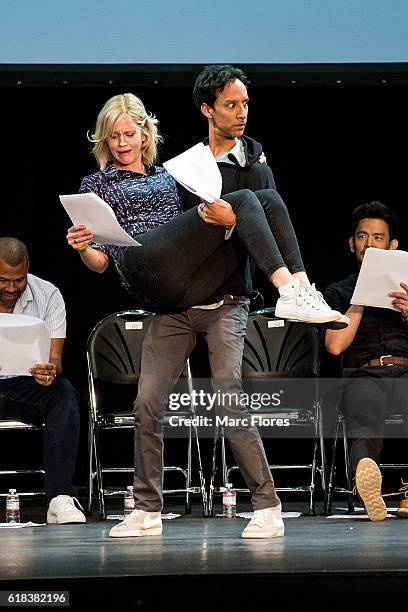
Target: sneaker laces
pixel 318 296
pixel 404 487
pixel 260 518
pixel 305 296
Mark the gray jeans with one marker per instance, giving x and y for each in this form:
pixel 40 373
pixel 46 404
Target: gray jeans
pixel 168 344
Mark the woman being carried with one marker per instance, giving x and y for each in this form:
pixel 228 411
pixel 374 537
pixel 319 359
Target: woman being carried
pixel 183 260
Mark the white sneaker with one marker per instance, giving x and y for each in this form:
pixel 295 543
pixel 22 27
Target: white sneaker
pixel 62 509
pixel 138 523
pixel 299 303
pixel 266 523
pixel 341 323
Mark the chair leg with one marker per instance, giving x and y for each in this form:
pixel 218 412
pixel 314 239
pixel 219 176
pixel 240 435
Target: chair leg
pixel 99 478
pixel 312 509
pixel 213 474
pixel 224 461
pixel 330 486
pixel 90 466
pixel 187 507
pixel 203 488
pixel 323 463
pixel 348 470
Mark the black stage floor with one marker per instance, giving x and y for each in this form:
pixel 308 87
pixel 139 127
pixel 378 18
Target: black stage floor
pixel 204 563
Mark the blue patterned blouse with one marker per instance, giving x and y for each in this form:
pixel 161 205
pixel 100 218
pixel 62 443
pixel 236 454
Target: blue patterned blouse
pixel 140 202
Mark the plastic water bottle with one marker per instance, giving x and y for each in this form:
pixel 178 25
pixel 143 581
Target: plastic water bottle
pixel 12 507
pixel 229 501
pixel 129 501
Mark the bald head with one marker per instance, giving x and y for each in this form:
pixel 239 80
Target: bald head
pixel 13 252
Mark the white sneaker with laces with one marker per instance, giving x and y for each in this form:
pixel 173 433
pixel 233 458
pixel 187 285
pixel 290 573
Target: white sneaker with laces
pixel 63 509
pixel 342 322
pixel 138 523
pixel 266 523
pixel 300 303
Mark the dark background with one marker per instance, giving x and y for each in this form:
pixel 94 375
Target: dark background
pixel 334 135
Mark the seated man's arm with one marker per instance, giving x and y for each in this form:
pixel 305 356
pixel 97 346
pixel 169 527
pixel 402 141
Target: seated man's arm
pixel 337 341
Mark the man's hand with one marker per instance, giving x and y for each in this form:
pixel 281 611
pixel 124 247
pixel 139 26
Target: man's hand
pixel 44 373
pixel 400 300
pixel 218 213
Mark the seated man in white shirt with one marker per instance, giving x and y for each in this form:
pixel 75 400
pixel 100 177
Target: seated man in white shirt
pixel 43 396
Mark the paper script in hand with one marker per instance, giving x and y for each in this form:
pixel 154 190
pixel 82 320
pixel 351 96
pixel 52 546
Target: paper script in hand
pixel 197 170
pixel 24 342
pixel 381 272
pixel 90 210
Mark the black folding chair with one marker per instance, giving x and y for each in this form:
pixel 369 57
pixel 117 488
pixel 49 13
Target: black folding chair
pixel 395 420
pixel 280 350
pixel 114 353
pixel 13 473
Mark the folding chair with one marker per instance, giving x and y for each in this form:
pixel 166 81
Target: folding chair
pixel 114 353
pixel 277 349
pixel 394 419
pixel 15 426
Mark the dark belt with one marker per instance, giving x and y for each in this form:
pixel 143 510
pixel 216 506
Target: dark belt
pixel 386 360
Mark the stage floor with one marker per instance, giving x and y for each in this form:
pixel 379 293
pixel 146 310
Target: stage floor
pixel 339 557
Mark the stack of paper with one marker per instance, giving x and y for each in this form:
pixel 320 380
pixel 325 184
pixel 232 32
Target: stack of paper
pixel 24 342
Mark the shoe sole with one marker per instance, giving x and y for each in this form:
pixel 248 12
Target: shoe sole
pixel 341 323
pixel 135 533
pixel 263 534
pixel 368 483
pixel 403 514
pixel 54 521
pixel 305 319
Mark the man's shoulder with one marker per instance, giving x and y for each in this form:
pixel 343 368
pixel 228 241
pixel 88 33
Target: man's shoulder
pixel 253 150
pixel 345 284
pixel 38 284
pixel 338 294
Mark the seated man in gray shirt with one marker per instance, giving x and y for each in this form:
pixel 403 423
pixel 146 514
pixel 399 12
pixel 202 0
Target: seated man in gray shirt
pixel 43 396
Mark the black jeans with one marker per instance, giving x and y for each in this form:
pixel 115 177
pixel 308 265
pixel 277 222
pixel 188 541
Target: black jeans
pixel 57 406
pixel 186 260
pixel 370 394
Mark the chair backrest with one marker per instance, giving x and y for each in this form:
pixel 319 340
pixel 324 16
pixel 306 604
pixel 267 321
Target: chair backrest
pixel 115 346
pixel 277 348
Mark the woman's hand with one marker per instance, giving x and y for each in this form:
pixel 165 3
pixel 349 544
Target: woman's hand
pixel 79 237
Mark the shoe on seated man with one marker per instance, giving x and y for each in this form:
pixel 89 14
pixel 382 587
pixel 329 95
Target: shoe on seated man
pixel 402 511
pixel 368 484
pixel 63 509
pixel 265 523
pixel 138 523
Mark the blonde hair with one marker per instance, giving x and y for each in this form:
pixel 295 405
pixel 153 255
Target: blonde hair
pixel 130 107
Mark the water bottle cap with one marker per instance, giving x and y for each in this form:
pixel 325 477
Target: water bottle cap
pixel 130 488
pixel 12 491
pixel 229 485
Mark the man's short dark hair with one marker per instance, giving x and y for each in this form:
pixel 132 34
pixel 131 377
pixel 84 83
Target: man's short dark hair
pixel 212 80
pixel 13 251
pixel 375 210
